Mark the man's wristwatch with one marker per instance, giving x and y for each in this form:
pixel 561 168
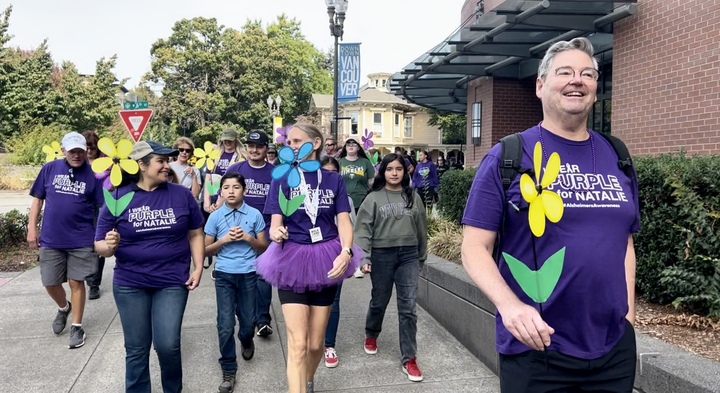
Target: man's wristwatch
pixel 349 251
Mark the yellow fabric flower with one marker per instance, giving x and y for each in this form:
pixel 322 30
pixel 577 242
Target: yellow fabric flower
pixel 52 152
pixel 117 157
pixel 543 203
pixel 208 155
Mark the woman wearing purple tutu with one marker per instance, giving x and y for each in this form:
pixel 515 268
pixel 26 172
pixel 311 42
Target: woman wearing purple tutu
pixel 310 254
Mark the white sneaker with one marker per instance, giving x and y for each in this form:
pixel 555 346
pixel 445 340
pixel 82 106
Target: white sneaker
pixel 331 359
pixel 358 273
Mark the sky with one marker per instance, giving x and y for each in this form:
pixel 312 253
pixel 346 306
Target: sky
pixel 393 33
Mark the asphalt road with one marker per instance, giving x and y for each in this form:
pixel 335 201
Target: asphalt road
pixel 10 200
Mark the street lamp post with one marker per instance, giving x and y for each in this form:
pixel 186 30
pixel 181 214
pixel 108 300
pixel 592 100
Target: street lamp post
pixel 336 12
pixel 274 108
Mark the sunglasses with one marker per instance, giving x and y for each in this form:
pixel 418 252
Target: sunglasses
pixel 351 144
pixel 71 175
pixel 185 150
pixel 329 144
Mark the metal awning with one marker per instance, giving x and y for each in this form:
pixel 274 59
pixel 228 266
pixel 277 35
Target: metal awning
pixel 508 42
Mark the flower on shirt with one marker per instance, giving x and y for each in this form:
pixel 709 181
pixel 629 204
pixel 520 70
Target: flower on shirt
pixel 289 169
pixel 116 158
pixel 207 156
pixel 52 151
pixel 543 202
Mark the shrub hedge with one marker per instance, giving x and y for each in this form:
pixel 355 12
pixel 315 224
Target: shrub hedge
pixel 679 243
pixel 13 229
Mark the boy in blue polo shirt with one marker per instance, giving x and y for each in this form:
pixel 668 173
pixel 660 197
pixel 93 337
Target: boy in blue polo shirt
pixel 235 232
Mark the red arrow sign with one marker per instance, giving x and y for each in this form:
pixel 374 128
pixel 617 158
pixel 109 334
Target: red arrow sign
pixel 135 121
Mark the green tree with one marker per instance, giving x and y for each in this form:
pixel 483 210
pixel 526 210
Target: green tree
pixel 452 125
pixel 214 77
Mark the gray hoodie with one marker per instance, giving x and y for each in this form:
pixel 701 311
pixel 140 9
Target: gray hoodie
pixel 383 222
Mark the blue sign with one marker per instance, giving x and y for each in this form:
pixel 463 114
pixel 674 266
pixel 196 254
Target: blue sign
pixel 348 72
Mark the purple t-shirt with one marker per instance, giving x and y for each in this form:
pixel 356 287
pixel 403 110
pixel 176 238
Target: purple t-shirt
pixel 588 306
pixel 257 182
pixel 223 163
pixel 154 250
pixel 68 220
pixel 333 200
pixel 425 171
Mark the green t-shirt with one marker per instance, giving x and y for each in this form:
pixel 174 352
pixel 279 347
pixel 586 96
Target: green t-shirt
pixel 356 175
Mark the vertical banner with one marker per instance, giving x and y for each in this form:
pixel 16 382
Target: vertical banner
pixel 348 72
pixel 277 128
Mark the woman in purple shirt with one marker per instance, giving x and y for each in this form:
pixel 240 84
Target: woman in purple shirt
pixel 153 240
pixel 310 255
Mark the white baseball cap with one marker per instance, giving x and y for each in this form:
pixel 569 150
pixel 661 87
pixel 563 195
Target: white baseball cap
pixel 74 140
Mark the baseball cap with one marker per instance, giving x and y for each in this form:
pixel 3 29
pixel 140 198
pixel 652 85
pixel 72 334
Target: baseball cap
pixel 272 148
pixel 228 134
pixel 258 137
pixel 142 149
pixel 74 140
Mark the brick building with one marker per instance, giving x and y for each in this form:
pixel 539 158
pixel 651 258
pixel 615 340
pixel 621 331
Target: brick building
pixel 659 88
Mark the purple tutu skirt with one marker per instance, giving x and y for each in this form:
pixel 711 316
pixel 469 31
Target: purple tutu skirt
pixel 304 267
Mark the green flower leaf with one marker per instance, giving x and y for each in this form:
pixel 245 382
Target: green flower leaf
pixel 289 207
pixel 374 158
pixel 537 284
pixel 117 206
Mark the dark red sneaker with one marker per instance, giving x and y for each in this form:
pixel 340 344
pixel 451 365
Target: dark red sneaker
pixel 370 345
pixel 413 372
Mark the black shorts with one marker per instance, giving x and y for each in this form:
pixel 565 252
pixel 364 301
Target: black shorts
pixel 539 372
pixel 322 298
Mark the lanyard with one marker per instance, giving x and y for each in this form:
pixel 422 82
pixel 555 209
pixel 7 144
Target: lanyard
pixel 312 199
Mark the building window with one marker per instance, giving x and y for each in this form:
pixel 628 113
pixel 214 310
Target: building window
pixel 599 119
pixel 397 119
pixel 353 123
pixel 378 124
pixel 476 122
pixel 408 127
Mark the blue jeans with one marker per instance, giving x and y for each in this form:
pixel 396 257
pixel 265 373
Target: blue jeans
pixel 264 298
pixel 334 320
pixel 151 316
pixel 236 296
pixel 399 266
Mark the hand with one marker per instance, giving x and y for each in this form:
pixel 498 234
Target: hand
pixel 525 323
pixel 340 264
pixel 194 280
pixel 32 238
pixel 366 268
pixel 210 208
pixel 278 234
pixel 112 240
pixel 189 171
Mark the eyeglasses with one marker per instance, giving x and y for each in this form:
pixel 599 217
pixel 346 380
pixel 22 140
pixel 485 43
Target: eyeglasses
pixel 71 175
pixel 329 144
pixel 568 73
pixel 271 152
pixel 185 150
pixel 351 144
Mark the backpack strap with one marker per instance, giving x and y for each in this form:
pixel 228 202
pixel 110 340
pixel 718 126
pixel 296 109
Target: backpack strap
pixel 624 160
pixel 511 158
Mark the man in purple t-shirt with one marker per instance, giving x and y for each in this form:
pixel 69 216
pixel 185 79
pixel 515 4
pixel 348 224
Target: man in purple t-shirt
pixel 563 287
pixel 258 176
pixel 71 193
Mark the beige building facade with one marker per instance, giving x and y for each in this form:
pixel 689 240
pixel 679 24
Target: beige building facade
pixel 393 121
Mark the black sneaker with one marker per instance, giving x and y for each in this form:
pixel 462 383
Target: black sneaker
pixel 264 330
pixel 58 324
pixel 77 337
pixel 248 351
pixel 94 292
pixel 228 384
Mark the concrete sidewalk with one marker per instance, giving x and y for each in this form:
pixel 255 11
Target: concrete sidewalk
pixel 33 359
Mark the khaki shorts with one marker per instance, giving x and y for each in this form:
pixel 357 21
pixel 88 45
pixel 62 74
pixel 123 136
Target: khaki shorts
pixel 57 266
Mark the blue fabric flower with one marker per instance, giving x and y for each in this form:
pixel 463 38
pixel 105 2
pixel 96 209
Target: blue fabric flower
pixel 292 163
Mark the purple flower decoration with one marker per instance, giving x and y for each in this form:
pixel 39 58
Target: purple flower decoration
pixel 283 134
pixel 105 177
pixel 367 140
